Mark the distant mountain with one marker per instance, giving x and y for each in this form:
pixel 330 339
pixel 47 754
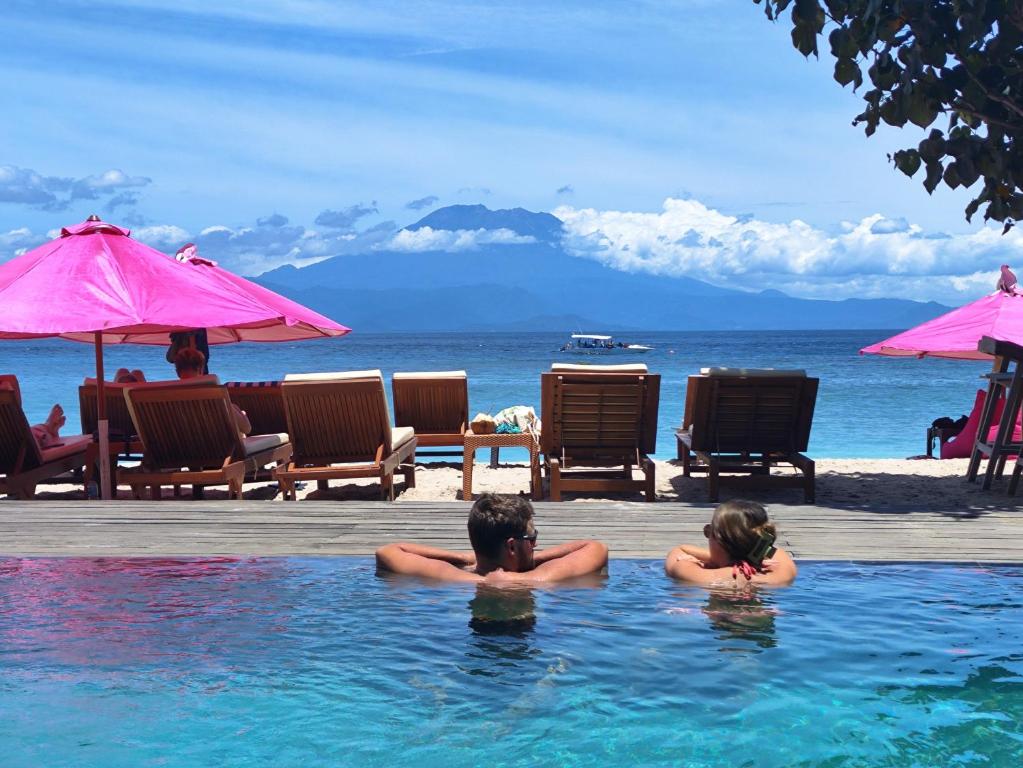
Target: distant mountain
pixel 544 227
pixel 539 286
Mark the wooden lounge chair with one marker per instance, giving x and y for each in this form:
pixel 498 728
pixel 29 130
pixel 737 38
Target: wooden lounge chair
pixel 596 419
pixel 436 405
pixel 123 439
pixel 22 463
pixel 262 402
pixel 340 428
pixel 743 421
pixel 189 436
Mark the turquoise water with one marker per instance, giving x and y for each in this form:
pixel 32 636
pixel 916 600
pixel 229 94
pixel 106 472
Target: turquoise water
pixel 867 406
pixel 309 662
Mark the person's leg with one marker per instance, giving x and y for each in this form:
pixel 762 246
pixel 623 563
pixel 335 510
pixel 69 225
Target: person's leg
pixel 48 432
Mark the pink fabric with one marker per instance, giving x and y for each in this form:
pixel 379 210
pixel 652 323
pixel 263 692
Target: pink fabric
pixel 961 446
pixel 95 277
pixel 955 334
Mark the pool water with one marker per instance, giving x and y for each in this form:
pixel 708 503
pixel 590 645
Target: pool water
pixel 305 661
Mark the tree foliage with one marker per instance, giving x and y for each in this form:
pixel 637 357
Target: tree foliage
pixel 925 59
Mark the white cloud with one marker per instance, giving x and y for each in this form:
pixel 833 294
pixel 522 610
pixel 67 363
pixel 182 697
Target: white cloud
pixel 429 239
pixel 164 237
pixel 27 187
pixel 108 182
pixel 17 241
pixel 876 256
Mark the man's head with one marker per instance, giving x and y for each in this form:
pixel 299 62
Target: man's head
pixel 501 531
pixel 189 363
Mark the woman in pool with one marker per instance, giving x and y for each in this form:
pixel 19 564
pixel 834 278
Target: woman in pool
pixel 740 550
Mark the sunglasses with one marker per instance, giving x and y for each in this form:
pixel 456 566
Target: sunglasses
pixel 708 531
pixel 531 538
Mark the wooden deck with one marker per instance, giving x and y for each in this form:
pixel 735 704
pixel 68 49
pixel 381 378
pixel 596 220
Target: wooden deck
pixel 205 528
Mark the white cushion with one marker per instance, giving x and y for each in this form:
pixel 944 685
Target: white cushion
pixel 256 443
pixel 429 375
pixel 336 376
pixel 750 372
pixel 68 446
pixel 401 435
pixel 619 368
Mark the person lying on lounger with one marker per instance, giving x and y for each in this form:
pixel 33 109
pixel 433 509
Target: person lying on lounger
pixel 503 540
pixel 740 550
pixel 47 434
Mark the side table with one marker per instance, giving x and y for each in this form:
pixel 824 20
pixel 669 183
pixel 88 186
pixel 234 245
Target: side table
pixel 474 442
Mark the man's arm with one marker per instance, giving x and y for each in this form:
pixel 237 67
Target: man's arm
pixel 566 561
pixel 426 562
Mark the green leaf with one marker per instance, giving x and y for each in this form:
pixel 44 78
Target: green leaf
pixel 967 170
pixel 932 148
pixel 922 109
pixel 907 161
pixel 951 176
pixel 934 174
pixel 804 39
pixel 837 8
pixel 843 46
pixel 848 71
pixel 973 207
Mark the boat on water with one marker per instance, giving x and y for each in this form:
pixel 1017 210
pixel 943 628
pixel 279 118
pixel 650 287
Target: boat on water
pixel 596 344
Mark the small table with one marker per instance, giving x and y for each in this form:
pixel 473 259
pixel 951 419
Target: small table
pixel 474 442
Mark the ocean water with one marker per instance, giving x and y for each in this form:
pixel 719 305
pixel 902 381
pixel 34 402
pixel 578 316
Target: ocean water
pixel 867 406
pixel 316 662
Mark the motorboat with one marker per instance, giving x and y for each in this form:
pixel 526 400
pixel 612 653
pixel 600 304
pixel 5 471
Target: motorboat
pixel 597 344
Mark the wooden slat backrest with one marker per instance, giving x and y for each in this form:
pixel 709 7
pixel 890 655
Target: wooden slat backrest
pixel 184 426
pixel 263 403
pixel 337 421
pixel 599 413
pixel 118 417
pixel 431 405
pixel 739 414
pixel 18 449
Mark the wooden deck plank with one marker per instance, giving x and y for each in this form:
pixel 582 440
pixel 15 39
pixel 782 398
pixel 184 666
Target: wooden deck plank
pixel 177 527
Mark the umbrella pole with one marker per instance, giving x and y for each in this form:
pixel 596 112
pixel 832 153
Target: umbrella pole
pixel 101 423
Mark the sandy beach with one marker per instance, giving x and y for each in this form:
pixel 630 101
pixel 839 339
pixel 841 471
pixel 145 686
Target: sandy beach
pixel 841 483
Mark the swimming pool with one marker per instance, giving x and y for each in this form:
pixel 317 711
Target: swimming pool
pixel 300 662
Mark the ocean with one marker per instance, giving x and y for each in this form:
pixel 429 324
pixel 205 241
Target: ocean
pixel 867 406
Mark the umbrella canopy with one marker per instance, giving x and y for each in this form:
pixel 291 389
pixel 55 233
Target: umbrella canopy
pixel 96 284
pixel 956 334
pixel 95 278
pixel 298 322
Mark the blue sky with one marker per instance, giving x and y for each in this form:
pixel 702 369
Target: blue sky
pixel 220 120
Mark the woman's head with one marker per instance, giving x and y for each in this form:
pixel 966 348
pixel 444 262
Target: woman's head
pixel 736 528
pixel 189 363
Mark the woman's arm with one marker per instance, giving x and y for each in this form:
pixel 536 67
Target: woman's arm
pixel 700 553
pixel 778 570
pixel 679 564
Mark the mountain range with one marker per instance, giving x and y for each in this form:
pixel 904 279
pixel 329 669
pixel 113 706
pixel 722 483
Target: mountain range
pixel 539 286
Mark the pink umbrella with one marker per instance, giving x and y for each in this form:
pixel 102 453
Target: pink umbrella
pixel 300 322
pixel 96 284
pixel 956 334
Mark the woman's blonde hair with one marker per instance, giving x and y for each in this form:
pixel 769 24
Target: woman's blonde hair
pixel 737 526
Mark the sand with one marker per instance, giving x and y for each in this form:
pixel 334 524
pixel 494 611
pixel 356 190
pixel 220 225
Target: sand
pixel 841 483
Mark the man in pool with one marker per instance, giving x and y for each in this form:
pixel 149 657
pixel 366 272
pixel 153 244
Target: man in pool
pixel 503 540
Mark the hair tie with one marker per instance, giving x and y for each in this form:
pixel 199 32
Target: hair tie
pixel 744 568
